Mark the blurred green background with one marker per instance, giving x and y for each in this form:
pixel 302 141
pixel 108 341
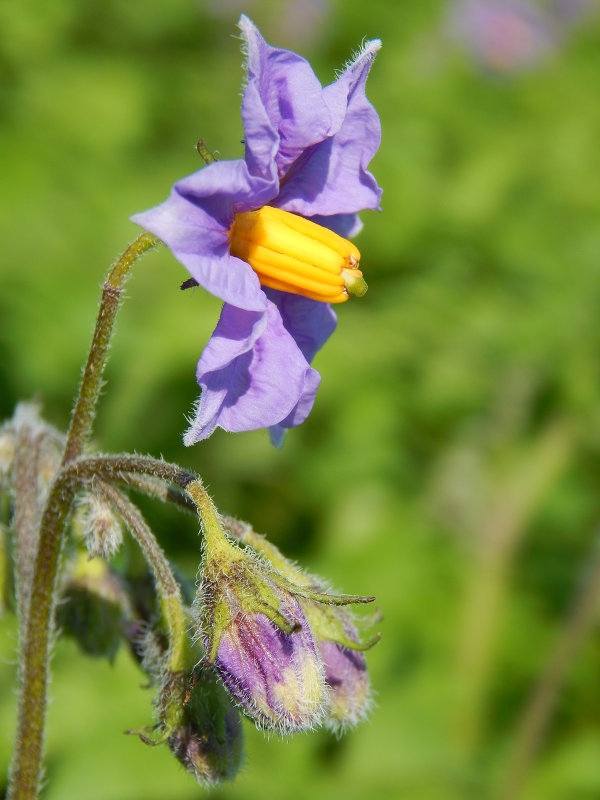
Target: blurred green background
pixel 450 465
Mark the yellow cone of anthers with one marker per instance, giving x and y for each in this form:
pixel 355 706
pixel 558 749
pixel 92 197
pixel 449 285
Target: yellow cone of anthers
pixel 295 255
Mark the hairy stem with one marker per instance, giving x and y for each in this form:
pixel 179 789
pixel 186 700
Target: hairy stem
pixel 158 489
pixel 209 516
pixel 26 518
pixel 122 468
pixel 26 768
pixel 91 382
pixel 172 702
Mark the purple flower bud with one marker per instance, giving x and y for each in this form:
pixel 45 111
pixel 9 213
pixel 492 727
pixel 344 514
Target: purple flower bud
pixel 256 634
pixel 338 642
pixel 348 680
pixel 276 677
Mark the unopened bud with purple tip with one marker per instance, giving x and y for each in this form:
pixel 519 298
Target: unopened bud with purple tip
pixel 334 630
pixel 345 673
pixel 275 675
pixel 256 634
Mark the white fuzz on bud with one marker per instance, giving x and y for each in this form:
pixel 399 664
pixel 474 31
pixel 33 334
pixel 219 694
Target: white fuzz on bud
pixel 100 527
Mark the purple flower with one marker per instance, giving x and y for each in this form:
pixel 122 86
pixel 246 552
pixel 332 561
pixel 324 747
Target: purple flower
pixel 307 149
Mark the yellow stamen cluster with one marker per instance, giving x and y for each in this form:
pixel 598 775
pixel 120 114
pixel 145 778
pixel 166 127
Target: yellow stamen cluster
pixel 293 254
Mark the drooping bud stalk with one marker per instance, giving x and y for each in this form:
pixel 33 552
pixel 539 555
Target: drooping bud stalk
pixel 93 607
pixel 334 630
pixel 26 766
pixel 255 632
pixel 171 693
pixel 209 739
pixel 296 255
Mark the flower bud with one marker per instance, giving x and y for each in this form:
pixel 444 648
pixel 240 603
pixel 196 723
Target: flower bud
pixel 257 636
pixel 335 634
pixel 276 676
pixel 93 607
pixel 101 528
pixel 347 677
pixel 208 741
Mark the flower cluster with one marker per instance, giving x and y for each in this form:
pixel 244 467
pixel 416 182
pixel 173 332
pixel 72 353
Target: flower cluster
pixel 265 235
pixel 286 648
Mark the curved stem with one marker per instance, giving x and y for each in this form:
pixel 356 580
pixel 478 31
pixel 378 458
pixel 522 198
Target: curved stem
pixel 91 382
pixel 172 700
pixel 26 768
pixel 121 468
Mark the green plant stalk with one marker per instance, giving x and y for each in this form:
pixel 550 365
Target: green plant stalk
pixel 26 519
pixel 26 768
pixel 209 516
pixel 91 382
pixel 172 701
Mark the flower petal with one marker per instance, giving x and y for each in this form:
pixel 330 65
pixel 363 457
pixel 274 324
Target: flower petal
pixel 310 323
pixel 252 374
pixel 284 109
pixel 194 223
pixel 300 411
pixel 332 177
pixel 347 225
pixel 276 677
